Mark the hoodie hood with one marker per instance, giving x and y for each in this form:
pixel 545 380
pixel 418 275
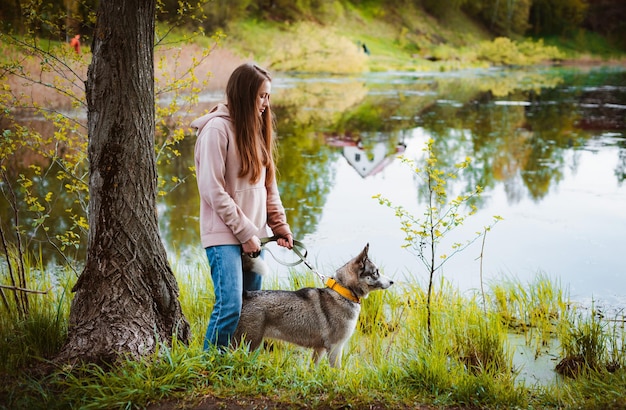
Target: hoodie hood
pixel 220 110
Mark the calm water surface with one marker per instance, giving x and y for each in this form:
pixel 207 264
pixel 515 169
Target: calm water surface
pixel 548 146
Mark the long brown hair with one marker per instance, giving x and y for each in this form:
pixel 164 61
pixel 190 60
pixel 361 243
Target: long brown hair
pixel 254 132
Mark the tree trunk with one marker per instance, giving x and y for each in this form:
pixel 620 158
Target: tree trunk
pixel 126 298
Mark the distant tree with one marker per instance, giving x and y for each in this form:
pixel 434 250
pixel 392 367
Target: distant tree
pixel 126 299
pixel 218 13
pixel 11 15
pixel 607 17
pixel 502 17
pixel 439 8
pixel 556 17
pixel 63 18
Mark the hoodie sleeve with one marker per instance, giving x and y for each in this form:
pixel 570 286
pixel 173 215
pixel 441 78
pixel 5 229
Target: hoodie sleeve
pixel 276 217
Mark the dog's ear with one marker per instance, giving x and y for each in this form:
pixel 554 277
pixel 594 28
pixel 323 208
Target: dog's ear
pixel 363 255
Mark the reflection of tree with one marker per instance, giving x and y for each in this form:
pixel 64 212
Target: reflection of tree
pixel 554 131
pixel 451 145
pixel 518 140
pixel 499 139
pixel 306 113
pixel 601 108
pixel 305 176
pixel 466 122
pixel 316 103
pixel 379 117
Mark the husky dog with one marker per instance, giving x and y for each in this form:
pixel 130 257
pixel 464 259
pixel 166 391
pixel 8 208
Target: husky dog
pixel 319 318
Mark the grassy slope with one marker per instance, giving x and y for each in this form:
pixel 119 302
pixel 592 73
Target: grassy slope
pixel 395 40
pixel 407 39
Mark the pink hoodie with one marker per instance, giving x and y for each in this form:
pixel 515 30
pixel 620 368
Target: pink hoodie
pixel 232 209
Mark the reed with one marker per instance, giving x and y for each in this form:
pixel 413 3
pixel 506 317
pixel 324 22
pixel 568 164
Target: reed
pixel 38 333
pixel 534 309
pixel 590 344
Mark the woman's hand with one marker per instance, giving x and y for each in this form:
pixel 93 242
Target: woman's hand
pixel 252 247
pixel 286 241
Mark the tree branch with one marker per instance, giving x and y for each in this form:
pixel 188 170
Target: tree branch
pixel 16 288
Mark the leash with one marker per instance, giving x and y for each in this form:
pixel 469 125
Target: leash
pixel 300 250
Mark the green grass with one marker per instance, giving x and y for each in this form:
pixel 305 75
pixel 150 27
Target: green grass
pixel 41 333
pixel 584 43
pixel 411 41
pixel 388 361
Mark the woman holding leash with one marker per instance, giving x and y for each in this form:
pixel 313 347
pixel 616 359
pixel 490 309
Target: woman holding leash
pixel 239 196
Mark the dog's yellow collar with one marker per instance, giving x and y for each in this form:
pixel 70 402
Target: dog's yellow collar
pixel 343 291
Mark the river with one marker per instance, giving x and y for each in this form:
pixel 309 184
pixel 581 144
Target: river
pixel 547 145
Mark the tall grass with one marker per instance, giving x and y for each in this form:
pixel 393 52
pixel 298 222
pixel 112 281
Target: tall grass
pixel 41 333
pixel 534 309
pixel 388 362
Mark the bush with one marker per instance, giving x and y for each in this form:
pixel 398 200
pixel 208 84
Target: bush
pixel 504 51
pixel 305 47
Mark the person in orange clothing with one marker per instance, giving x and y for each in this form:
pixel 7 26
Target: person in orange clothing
pixel 75 43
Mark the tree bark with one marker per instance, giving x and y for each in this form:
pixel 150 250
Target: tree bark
pixel 126 298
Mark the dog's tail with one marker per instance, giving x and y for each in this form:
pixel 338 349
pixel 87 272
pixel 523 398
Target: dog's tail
pixel 256 265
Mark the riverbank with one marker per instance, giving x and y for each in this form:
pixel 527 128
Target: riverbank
pixel 210 63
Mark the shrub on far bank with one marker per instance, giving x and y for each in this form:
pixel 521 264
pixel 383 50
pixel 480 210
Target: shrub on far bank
pixel 302 47
pixel 504 51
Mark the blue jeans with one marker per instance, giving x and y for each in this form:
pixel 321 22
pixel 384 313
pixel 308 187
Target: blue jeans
pixel 229 282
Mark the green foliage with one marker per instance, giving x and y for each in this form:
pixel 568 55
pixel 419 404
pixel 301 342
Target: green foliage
pixel 607 19
pixel 535 309
pixel 196 295
pixel 596 390
pixel 467 361
pixel 302 47
pixel 439 8
pixel 380 315
pixel 503 51
pixel 56 155
pixel 557 17
pixel 583 41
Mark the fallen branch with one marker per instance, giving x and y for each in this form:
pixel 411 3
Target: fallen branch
pixel 15 288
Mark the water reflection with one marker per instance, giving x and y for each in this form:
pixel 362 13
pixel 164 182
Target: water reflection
pixel 528 134
pixel 544 144
pixel 367 161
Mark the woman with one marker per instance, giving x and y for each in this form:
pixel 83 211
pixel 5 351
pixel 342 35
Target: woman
pixel 239 197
